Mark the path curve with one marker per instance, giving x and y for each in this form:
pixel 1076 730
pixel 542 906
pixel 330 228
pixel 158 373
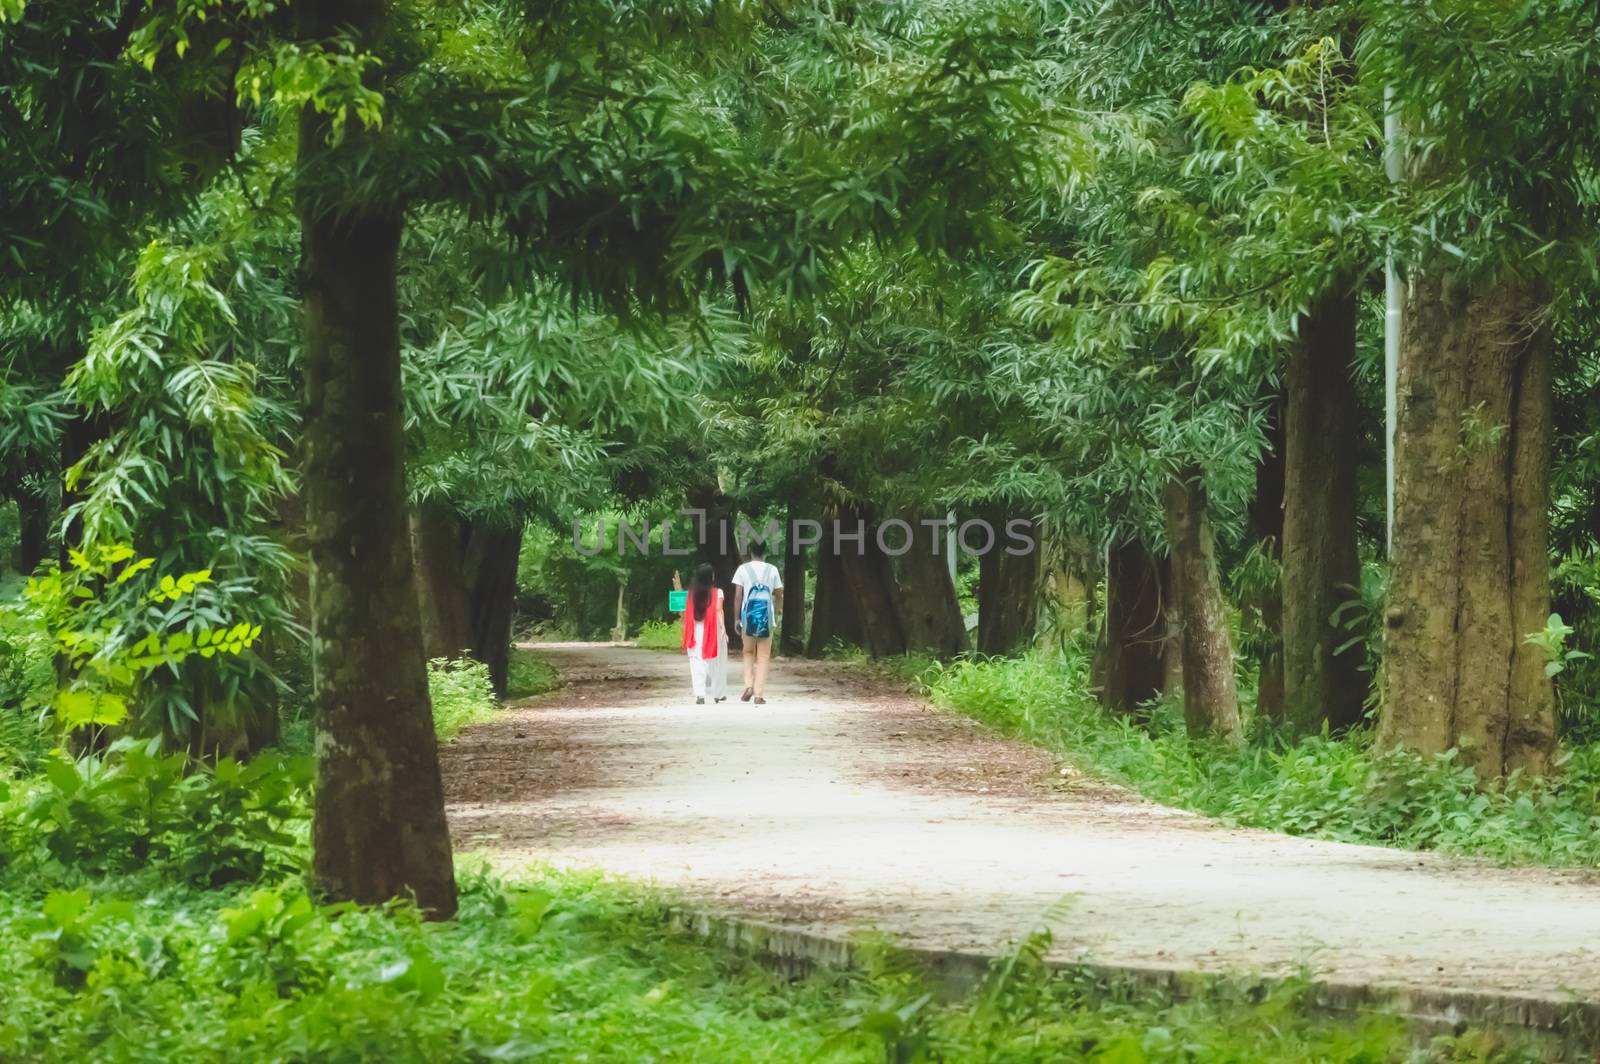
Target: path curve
pixel 846 804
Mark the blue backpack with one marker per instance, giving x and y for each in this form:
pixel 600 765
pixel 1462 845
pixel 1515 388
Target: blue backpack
pixel 756 616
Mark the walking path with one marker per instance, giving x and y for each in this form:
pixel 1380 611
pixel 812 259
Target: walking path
pixel 845 804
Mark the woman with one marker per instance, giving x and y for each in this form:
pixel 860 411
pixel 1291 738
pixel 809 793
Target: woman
pixel 704 639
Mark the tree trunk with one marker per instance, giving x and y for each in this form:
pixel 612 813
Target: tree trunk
pixel 923 595
pixel 1008 594
pixel 489 573
pixel 378 830
pixel 1210 696
pixel 1265 604
pixel 1321 569
pixel 1127 665
pixel 792 642
pixel 1470 573
pixel 441 586
pixel 867 576
pixel 466 587
pixel 33 532
pixel 833 614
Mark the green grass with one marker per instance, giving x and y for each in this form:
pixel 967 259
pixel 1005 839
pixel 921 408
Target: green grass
pixel 1337 789
pixel 570 967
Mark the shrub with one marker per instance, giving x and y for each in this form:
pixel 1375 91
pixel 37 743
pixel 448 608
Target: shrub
pixel 461 692
pixel 1340 789
pixel 27 680
pixel 134 809
pixel 530 675
pixel 660 635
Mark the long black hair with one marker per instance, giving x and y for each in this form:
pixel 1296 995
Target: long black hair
pixel 700 584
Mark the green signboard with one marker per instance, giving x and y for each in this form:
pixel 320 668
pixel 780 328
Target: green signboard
pixel 677 601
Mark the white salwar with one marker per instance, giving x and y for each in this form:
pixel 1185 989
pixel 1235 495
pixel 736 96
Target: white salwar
pixel 709 675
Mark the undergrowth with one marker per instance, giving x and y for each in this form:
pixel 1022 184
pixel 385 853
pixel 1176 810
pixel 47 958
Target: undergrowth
pixel 1330 788
pixel 461 693
pixel 567 966
pixel 530 675
pixel 659 635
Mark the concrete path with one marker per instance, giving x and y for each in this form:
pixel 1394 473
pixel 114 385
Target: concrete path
pixel 845 804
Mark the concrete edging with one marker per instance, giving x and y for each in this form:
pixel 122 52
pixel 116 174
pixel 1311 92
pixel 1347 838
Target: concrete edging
pixel 796 952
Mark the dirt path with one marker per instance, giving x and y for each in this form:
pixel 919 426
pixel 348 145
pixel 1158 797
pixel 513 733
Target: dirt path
pixel 844 804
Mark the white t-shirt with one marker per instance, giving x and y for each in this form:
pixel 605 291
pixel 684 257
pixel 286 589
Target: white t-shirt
pixel 756 572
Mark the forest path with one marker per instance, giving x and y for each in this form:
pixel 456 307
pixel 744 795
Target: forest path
pixel 846 804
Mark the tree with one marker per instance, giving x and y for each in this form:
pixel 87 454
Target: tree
pixel 1498 141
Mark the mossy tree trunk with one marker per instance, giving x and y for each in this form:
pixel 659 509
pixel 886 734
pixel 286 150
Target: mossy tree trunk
pixel 1127 661
pixel 378 830
pixel 1321 567
pixel 466 587
pixel 1008 592
pixel 1470 573
pixel 833 613
pixel 441 585
pixel 1210 693
pixel 870 583
pixel 489 571
pixel 920 587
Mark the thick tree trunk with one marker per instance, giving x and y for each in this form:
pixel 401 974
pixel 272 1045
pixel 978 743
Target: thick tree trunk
pixel 1210 695
pixel 466 587
pixel 1127 665
pixel 792 641
pixel 1265 519
pixel 833 614
pixel 867 576
pixel 1008 594
pixel 489 572
pixel 1470 577
pixel 1321 568
pixel 924 598
pixel 378 831
pixel 441 586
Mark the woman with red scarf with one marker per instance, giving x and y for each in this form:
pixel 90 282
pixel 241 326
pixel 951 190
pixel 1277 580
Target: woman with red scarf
pixel 704 638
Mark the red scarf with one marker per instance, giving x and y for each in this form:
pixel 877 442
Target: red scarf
pixel 708 629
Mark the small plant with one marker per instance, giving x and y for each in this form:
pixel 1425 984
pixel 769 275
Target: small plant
pixel 659 635
pixel 1552 639
pixel 462 694
pixel 529 675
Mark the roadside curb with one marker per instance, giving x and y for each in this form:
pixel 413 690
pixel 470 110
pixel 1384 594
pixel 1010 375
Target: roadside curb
pixel 795 953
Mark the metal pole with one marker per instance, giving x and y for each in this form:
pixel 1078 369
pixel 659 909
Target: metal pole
pixel 1391 323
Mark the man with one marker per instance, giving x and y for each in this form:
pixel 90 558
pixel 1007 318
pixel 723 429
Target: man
pixel 757 602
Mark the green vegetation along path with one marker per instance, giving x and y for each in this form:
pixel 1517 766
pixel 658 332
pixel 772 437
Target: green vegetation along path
pixel 845 804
